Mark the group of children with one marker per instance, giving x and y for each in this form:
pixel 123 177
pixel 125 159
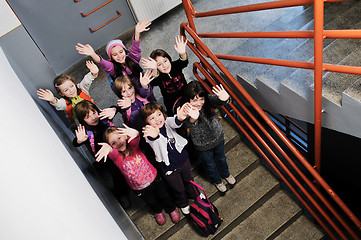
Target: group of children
pixel 148 152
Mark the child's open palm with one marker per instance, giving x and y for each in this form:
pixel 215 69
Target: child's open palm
pixel 220 92
pixel 193 113
pixel 46 94
pixel 85 49
pixel 124 103
pixel 146 78
pixel 150 131
pixel 182 112
pixel 142 26
pixel 180 45
pixel 103 152
pixel 80 134
pixel 93 68
pixel 149 63
pixel 130 132
pixel 108 113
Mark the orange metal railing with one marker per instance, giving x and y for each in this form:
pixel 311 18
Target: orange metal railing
pixel 299 176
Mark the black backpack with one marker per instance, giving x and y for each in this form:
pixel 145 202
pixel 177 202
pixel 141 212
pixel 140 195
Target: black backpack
pixel 204 214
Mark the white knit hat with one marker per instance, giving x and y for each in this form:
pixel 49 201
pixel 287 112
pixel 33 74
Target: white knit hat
pixel 113 43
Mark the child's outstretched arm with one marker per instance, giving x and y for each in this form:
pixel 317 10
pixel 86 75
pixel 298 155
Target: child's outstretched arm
pixel 222 94
pixel 130 132
pixel 80 134
pixel 88 51
pixel 46 95
pixel 103 152
pixel 142 26
pixel 180 47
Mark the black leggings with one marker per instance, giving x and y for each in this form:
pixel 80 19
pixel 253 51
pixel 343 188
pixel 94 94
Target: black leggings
pixel 157 196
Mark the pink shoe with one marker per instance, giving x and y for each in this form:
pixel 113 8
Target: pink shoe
pixel 175 216
pixel 159 218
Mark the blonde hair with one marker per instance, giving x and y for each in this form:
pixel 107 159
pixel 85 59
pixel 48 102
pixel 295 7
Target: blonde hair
pixel 60 80
pixel 109 131
pixel 120 83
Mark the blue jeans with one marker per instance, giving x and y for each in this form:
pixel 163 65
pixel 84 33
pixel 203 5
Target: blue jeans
pixel 215 163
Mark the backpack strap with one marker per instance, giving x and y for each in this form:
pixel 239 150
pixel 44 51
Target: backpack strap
pixel 198 186
pixel 91 140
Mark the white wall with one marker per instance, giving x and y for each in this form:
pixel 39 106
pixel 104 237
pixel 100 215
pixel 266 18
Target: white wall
pixel 8 20
pixel 44 195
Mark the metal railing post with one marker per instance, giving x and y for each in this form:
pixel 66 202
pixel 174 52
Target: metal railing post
pixel 318 69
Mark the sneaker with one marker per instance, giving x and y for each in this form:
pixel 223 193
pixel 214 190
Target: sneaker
pixel 159 218
pixel 175 216
pixel 185 210
pixel 231 180
pixel 221 187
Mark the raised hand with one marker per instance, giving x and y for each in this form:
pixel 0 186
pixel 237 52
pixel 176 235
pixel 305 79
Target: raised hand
pixel 88 51
pixel 85 49
pixel 146 79
pixel 220 92
pixel 193 113
pixel 80 134
pixel 150 131
pixel 130 132
pixel 124 103
pixel 103 152
pixel 107 113
pixel 141 26
pixel 149 63
pixel 182 112
pixel 180 45
pixel 93 68
pixel 46 95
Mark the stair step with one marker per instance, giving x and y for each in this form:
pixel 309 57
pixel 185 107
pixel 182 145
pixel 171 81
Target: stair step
pixel 305 51
pixel 354 91
pixel 301 229
pixel 272 215
pixel 334 84
pixel 243 196
pixel 269 48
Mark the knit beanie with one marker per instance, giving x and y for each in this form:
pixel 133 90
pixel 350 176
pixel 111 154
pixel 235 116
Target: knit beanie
pixel 113 43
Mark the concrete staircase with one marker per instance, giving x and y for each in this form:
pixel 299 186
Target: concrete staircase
pixel 290 91
pixel 255 208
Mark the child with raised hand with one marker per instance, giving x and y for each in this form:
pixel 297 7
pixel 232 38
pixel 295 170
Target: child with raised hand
pixel 206 132
pixel 169 150
pixel 130 101
pixel 90 132
pixel 168 74
pixel 122 61
pixel 122 147
pixel 69 91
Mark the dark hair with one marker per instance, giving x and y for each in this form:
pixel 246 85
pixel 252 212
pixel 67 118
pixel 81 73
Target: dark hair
pixel 110 130
pixel 60 80
pixel 149 108
pixel 193 89
pixel 82 109
pixel 133 66
pixel 160 53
